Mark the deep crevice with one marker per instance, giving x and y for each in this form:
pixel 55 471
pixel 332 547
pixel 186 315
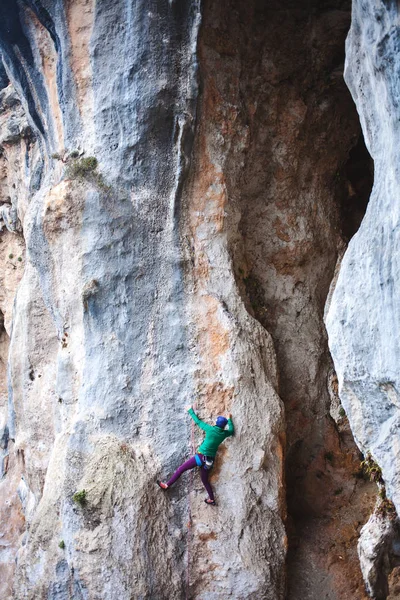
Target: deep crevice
pixel 305 186
pixel 357 178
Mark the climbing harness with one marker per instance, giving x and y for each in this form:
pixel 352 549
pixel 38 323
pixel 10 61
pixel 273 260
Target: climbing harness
pixel 208 462
pixel 204 461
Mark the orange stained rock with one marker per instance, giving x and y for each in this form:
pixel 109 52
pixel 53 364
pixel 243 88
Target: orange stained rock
pixel 204 537
pixel 282 230
pixel 207 214
pixel 12 520
pixel 219 461
pixel 80 17
pixel 216 397
pixel 209 202
pixel 63 207
pixel 49 58
pixel 287 260
pixel 213 336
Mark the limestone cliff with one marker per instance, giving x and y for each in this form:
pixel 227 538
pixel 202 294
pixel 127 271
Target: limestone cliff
pixel 178 184
pixel 363 318
pixel 126 311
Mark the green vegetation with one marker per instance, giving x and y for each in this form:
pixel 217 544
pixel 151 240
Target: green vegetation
pixel 329 456
pixel 86 169
pixel 338 491
pixel 342 412
pixel 62 545
pixel 371 469
pixel 80 498
pixel 11 256
pixel 56 156
pixel 386 508
pixel 80 168
pixel 19 258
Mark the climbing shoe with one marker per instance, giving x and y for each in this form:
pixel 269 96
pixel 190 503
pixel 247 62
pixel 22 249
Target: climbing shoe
pixel 162 485
pixel 209 501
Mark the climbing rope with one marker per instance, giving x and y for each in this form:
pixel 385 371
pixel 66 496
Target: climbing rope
pixel 189 534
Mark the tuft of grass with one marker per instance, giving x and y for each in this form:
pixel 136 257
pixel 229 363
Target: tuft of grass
pixel 329 456
pixel 56 156
pixel 386 508
pixel 80 498
pixel 371 469
pixel 61 545
pixel 342 412
pixel 382 493
pixel 338 491
pixel 19 258
pixel 11 256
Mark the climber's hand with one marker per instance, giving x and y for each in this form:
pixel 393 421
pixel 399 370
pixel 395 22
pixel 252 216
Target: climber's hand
pixel 229 415
pixel 188 407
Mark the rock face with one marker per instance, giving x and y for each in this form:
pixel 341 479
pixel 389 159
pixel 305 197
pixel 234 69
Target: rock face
pixel 178 184
pixel 278 121
pixel 363 317
pixel 127 310
pixel 17 151
pixel 379 551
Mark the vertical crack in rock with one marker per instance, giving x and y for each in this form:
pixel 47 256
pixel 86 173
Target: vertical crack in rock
pixel 241 550
pixel 99 365
pixel 285 142
pixel 362 320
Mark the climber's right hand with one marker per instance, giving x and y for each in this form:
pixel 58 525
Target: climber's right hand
pixel 188 407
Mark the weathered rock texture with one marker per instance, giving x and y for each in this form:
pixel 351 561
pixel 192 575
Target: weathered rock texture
pixel 379 551
pixel 363 319
pixel 127 310
pixel 192 264
pixel 16 152
pixel 281 127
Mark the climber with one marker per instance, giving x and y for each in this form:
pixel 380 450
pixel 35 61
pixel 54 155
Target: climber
pixel 205 455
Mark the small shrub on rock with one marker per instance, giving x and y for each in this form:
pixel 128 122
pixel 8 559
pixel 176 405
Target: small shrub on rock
pixel 86 169
pixel 80 498
pixel 80 168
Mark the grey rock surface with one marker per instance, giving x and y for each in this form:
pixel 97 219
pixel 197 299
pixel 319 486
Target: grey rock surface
pixel 379 552
pixel 363 317
pixel 108 339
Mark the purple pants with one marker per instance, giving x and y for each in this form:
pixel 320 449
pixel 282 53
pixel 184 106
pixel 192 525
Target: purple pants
pixel 191 464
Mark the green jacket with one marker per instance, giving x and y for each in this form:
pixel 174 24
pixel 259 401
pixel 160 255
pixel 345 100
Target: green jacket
pixel 214 435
